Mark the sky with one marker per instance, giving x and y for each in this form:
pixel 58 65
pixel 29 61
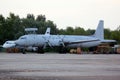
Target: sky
pixel 64 13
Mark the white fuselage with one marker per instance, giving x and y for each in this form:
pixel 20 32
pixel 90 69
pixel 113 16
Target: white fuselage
pixel 55 40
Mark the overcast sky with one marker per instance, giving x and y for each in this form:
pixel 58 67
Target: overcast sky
pixel 83 13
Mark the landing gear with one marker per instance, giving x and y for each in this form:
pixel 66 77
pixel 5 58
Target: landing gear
pixel 40 50
pixel 23 51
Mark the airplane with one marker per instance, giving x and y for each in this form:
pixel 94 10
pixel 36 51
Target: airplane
pixel 62 41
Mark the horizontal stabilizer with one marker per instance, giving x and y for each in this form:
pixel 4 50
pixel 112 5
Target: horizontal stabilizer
pixel 108 41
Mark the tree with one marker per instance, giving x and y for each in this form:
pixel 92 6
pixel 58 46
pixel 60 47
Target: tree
pixel 14 22
pixel 41 18
pixel 69 30
pixel 115 35
pixel 30 16
pixel 2 24
pixel 107 33
pixel 79 31
pixel 90 32
pixel 62 31
pixel 29 21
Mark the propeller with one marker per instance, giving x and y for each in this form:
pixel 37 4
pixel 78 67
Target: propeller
pixel 62 41
pixel 47 42
pixel 51 43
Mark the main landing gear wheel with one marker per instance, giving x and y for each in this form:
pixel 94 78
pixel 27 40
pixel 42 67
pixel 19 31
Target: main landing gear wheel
pixel 40 50
pixel 23 51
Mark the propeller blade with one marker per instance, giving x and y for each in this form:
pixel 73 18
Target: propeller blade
pixel 44 46
pixel 50 44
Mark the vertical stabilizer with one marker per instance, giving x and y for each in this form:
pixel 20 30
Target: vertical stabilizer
pixel 99 33
pixel 47 31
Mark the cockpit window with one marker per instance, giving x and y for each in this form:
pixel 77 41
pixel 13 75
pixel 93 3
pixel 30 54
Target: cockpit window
pixel 8 42
pixel 22 37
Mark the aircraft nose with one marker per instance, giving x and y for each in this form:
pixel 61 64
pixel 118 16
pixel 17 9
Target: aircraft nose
pixel 8 45
pixel 4 46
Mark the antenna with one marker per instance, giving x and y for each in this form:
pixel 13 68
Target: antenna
pixel 31 30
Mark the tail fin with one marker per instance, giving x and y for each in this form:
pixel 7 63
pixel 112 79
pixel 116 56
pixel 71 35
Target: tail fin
pixel 47 31
pixel 99 33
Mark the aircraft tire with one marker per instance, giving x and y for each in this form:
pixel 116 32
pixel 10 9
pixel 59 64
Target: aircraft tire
pixel 23 51
pixel 40 50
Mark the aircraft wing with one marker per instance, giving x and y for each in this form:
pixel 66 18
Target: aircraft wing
pixel 81 41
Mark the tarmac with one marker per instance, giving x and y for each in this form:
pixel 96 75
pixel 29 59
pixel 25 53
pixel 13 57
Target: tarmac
pixel 55 66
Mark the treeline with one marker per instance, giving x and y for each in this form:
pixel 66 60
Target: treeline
pixel 13 27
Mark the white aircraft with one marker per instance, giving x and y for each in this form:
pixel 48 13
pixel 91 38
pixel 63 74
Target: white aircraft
pixel 63 41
